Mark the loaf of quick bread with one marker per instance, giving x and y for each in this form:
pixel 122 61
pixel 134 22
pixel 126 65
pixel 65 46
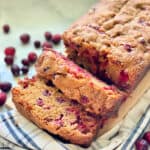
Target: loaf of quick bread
pixel 113 41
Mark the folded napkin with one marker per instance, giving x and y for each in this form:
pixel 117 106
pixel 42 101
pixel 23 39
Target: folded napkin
pixel 18 133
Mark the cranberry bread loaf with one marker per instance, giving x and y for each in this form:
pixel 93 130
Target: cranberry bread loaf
pixel 76 83
pixel 116 49
pixel 43 104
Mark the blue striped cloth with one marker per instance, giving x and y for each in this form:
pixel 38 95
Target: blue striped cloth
pixel 18 133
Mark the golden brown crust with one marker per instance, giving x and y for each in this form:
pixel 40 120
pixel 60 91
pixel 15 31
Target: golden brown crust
pixel 58 117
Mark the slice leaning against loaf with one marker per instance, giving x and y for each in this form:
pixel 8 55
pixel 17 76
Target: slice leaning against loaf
pixel 48 108
pixel 76 83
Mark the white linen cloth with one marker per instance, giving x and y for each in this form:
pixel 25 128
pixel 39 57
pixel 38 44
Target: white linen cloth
pixel 18 133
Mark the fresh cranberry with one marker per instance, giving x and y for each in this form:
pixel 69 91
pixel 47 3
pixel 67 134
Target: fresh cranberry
pixel 9 60
pixel 25 38
pixel 6 28
pixel 124 77
pixel 10 51
pixel 25 69
pixel 141 144
pixel 25 62
pixel 128 47
pixel 56 38
pixel 3 98
pixel 48 36
pixel 147 136
pixel 46 45
pixel 5 86
pixel 37 44
pixel 32 57
pixel 15 70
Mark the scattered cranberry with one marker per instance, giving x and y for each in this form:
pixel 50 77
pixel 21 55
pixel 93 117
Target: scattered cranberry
pixel 56 38
pixel 37 44
pixel 25 62
pixel 6 28
pixel 10 51
pixel 5 86
pixel 9 60
pixel 25 38
pixel 32 57
pixel 48 36
pixel 147 136
pixel 46 45
pixel 141 144
pixel 2 98
pixel 15 70
pixel 124 77
pixel 25 69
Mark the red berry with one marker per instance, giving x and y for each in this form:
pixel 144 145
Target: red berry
pixel 142 41
pixel 25 38
pixel 24 69
pixel 25 62
pixel 124 77
pixel 141 144
pixel 10 51
pixel 32 57
pixel 5 86
pixel 15 70
pixel 84 99
pixel 56 38
pixel 9 60
pixel 48 36
pixel 47 45
pixel 37 44
pixel 147 136
pixel 2 98
pixel 128 47
pixel 6 28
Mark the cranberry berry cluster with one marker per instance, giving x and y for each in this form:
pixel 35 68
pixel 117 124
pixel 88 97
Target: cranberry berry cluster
pixel 144 142
pixel 10 53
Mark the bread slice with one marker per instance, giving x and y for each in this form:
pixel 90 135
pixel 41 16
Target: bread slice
pixel 48 108
pixel 76 83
